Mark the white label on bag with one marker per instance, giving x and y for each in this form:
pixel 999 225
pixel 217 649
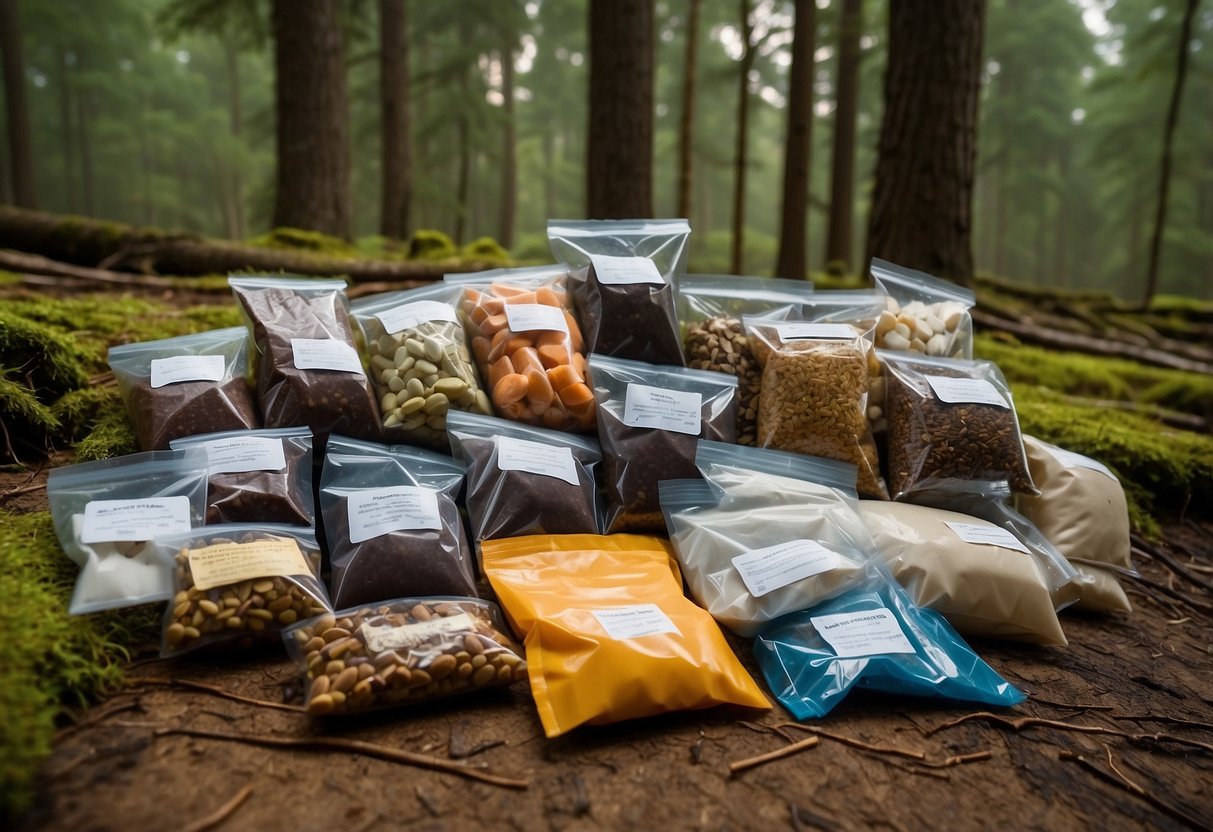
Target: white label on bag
pixel 325 354
pixel 409 315
pixel 987 535
pixel 634 621
pixel 243 454
pixel 536 458
pixel 122 520
pixel 867 633
pixel 1073 460
pixel 766 570
pixel 187 368
pixel 802 331
pixel 958 390
pixel 528 317
pixel 657 407
pixel 377 511
pixel 408 636
pixel 620 270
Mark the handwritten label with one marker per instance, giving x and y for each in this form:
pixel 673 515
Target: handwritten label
pixel 528 317
pixel 377 511
pixel 766 570
pixel 635 621
pixel 407 636
pixel 536 458
pixel 409 315
pixel 227 563
pixel 966 390
pixel 657 407
pixel 122 520
pixel 622 270
pixel 187 368
pixel 325 354
pixel 869 633
pixel 246 453
pixel 986 535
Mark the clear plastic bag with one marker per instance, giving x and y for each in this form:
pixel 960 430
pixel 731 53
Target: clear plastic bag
pixel 924 314
pixel 625 282
pixel 420 364
pixel 239 584
pixel 402 652
pixel 873 637
pixel 525 480
pixel 649 420
pixel 710 312
pixel 308 368
pixel 182 386
pixel 528 345
pixel 257 476
pixel 391 522
pixel 107 513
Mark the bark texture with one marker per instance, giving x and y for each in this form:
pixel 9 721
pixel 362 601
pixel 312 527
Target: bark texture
pixel 793 231
pixel 394 115
pixel 20 147
pixel 839 245
pixel 686 125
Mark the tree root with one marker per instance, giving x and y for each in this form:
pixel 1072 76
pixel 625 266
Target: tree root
pixel 1118 779
pixel 221 814
pixel 202 687
pixel 1019 723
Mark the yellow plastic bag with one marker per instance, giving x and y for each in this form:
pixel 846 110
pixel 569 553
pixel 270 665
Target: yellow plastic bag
pixel 609 635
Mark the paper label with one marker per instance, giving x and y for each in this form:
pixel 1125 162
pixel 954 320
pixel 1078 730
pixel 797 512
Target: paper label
pixel 1073 460
pixel 766 570
pixel 377 511
pixel 867 633
pixel 121 520
pixel 616 271
pixel 634 621
pixel 325 354
pixel 960 390
pixel 407 636
pixel 528 317
pixel 229 563
pixel 987 535
pixel 657 407
pixel 247 453
pixel 187 368
pixel 536 458
pixel 409 315
pixel 803 331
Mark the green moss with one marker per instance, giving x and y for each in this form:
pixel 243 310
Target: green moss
pixel 297 239
pixel 485 248
pixel 27 426
pixel 427 244
pixel 111 434
pixel 48 361
pixel 77 411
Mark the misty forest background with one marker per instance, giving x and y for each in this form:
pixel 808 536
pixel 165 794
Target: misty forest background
pixel 162 113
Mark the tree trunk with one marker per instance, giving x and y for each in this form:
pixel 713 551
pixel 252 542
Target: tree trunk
pixel 1164 168
pixel 236 227
pixel 797 146
pixel 397 184
pixel 20 147
pixel 65 131
pixel 737 250
pixel 463 180
pixel 619 149
pixel 509 156
pixel 839 247
pixel 1061 228
pixel 686 127
pixel 922 203
pixel 313 185
pixel 83 116
pixel 549 171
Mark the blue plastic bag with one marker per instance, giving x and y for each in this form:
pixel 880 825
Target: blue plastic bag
pixel 874 637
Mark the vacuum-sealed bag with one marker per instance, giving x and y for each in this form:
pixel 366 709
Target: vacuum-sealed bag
pixel 925 314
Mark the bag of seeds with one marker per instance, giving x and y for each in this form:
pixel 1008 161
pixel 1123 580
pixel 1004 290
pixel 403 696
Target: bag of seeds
pixel 525 480
pixel 420 363
pixel 107 513
pixel 649 420
pixel 951 419
pixel 402 652
pixel 966 569
pixel 924 314
pixel 528 345
pixel 748 559
pixel 1082 510
pixel 873 637
pixel 239 584
pixel 710 311
pixel 181 386
pixel 609 635
pixel 257 476
pixel 391 522
pixel 625 282
pixel 308 368
pixel 815 393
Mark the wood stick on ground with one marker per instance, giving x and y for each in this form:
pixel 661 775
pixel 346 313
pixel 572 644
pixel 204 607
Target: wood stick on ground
pixel 739 766
pixel 1042 701
pixel 92 718
pixel 1172 564
pixel 1172 720
pixel 221 814
pixel 959 759
pixel 916 756
pixel 202 687
pixel 1203 606
pixel 1019 723
pixel 1131 787
pixel 367 749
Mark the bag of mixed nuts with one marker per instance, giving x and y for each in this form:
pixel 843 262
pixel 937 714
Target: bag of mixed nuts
pixel 924 314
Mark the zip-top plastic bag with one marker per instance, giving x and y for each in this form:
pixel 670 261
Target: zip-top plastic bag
pixel 413 649
pixel 525 480
pixel 391 522
pixel 625 281
pixel 107 513
pixel 239 584
pixel 181 386
pixel 873 637
pixel 420 364
pixel 609 635
pixel 528 345
pixel 308 368
pixel 925 314
pixel 748 559
pixel 649 420
pixel 710 312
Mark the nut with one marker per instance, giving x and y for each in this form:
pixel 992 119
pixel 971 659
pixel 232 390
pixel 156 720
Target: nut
pixel 719 343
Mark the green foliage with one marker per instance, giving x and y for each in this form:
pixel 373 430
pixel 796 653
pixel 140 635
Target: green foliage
pixel 427 244
pixel 296 239
pixel 26 424
pixel 485 248
pixel 49 361
pixel 111 434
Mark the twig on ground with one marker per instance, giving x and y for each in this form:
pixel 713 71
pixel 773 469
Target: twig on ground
pixel 1019 723
pixel 92 718
pixel 1122 782
pixel 1195 603
pixel 916 756
pixel 202 687
pixel 1175 566
pixel 739 766
pixel 1173 720
pixel 959 759
pixel 1042 701
pixel 221 814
